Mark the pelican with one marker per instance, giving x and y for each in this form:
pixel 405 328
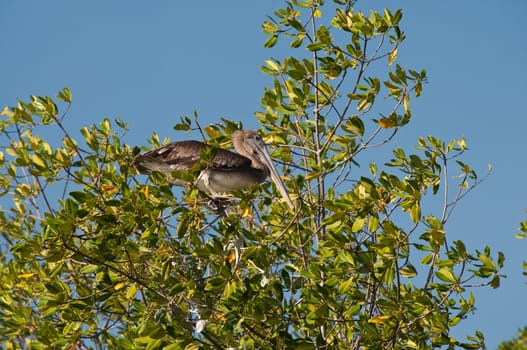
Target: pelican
pixel 228 172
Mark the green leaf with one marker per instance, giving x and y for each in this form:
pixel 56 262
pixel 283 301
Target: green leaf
pixel 297 42
pixel 271 41
pixel 215 283
pixel 269 28
pixel 354 125
pixel 315 46
pixel 358 224
pixel 501 260
pixel 183 226
pixel 65 95
pixel 446 274
pixel 427 259
pixel 373 223
pixel 89 269
pixel 487 262
pixel 415 212
pixel 495 282
pixel 408 271
pixel 155 344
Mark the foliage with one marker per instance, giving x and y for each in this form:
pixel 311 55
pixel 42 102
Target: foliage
pixel 92 258
pixel 522 235
pixel 519 343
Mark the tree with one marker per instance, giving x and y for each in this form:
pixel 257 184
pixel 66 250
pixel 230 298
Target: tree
pixel 519 343
pixel 94 258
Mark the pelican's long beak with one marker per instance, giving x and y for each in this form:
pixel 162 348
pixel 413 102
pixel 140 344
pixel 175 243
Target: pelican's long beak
pixel 266 159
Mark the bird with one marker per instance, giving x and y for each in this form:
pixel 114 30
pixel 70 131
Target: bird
pixel 226 172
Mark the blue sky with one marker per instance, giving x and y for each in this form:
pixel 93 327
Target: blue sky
pixel 150 63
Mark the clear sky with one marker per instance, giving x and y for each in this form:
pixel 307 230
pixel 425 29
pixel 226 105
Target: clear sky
pixel 150 62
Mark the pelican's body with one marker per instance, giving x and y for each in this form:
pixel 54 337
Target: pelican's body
pixel 227 172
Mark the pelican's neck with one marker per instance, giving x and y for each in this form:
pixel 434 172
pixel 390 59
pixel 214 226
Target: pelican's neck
pixel 242 145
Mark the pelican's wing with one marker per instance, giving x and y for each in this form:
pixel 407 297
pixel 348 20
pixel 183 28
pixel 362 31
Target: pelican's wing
pixel 183 155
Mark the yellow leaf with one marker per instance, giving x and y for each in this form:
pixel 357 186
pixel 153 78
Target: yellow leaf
pixel 105 187
pixel 217 315
pixel 358 224
pixel 272 65
pixel 405 103
pixel 268 138
pixel 26 275
pixel 231 257
pixel 386 123
pixel 11 151
pixel 146 234
pixel 317 13
pixel 130 293
pixel 145 191
pixel 247 212
pixel 6 112
pixel 143 340
pixel 119 286
pixel 379 319
pixel 38 161
pixel 197 223
pixel 392 57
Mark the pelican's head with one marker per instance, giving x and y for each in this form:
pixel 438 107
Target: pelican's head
pixel 250 144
